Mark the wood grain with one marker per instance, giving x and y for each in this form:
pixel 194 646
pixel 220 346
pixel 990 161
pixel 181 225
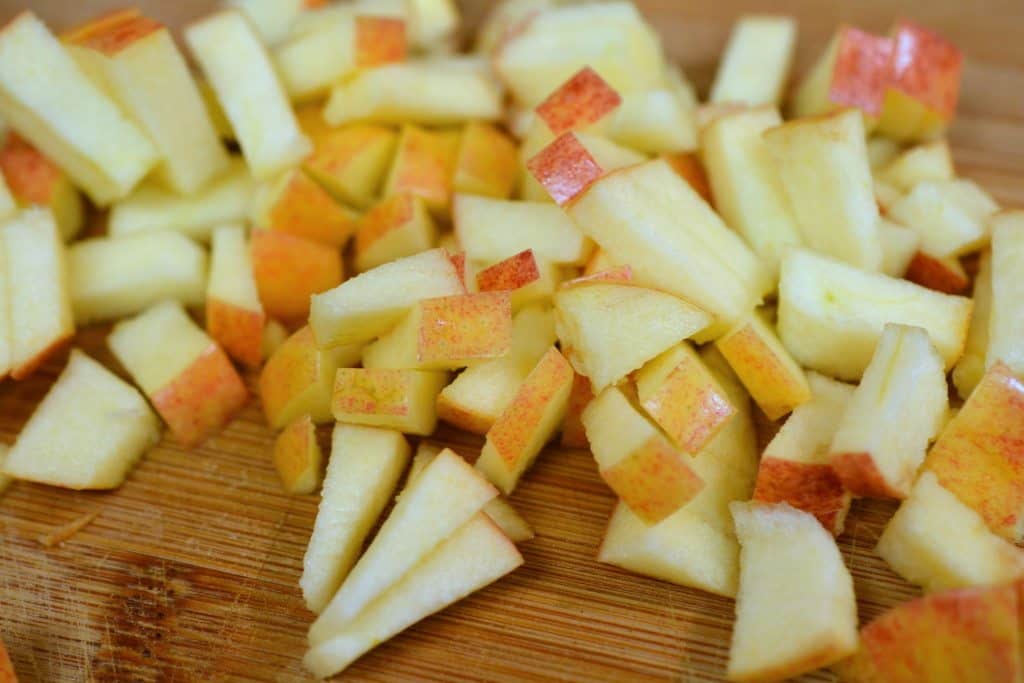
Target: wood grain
pixel 189 572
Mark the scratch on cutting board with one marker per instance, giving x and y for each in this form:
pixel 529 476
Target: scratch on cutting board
pixel 66 531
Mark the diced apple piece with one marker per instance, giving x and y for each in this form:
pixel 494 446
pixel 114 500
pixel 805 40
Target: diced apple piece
pixel 421 93
pixel 362 474
pixel 685 250
pixel 351 162
pixel 854 71
pixel 579 103
pixel 65 115
pixel 397 227
pixel 594 320
pixel 272 19
pixel 638 463
pixel 971 366
pixel 372 303
pixel 795 467
pixel 240 71
pixel 969 634
pixel 791 573
pixel 613 274
pixel 432 22
pixel 1006 317
pixel 574 434
pixel 491 230
pixel 899 247
pixel 746 185
pixel 573 162
pixel 936 210
pixel 38 290
pixel 486 163
pixel 943 274
pixel 976 455
pixel 882 151
pixel 234 315
pixel 930 161
pixel 886 196
pixel 289 270
pixel 529 279
pixel 185 375
pixel 756 63
pixel 445 496
pixel 397 399
pixel 654 122
pixel 87 433
pixel 831 315
pixel 274 335
pixel 296 204
pixel 423 166
pixel 775 381
pixel 898 408
pixel 147 76
pixel 690 168
pixel 112 278
pixel 474 556
pixel 34 180
pixel 446 333
pixel 503 19
pixel 936 541
pixel 923 84
pixel 528 422
pixel 154 209
pixel 297 456
pixel 823 164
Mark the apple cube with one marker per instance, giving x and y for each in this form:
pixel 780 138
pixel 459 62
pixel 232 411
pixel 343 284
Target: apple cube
pixel 831 315
pixel 936 541
pixel 946 215
pixel 87 433
pixel 795 466
pixel 113 278
pixel 574 161
pixel 397 227
pixel 289 270
pixel 690 167
pixel 422 166
pixel 152 208
pixel 274 335
pixel 791 573
pixel 272 19
pixel 474 556
pixel 756 63
pixel 298 205
pixel 529 279
pixel 415 92
pixel 930 161
pixel 34 180
pixel 824 168
pixel 362 473
pixel 775 381
pixel 234 315
pixel 579 103
pixel 38 290
pixel 746 185
pixel 372 303
pixel 854 71
pixel 240 71
pixel 491 230
pixel 898 408
pixel 976 455
pixel 613 274
pixel 596 322
pixel 444 497
pixel 574 434
pixel 528 422
pixel 297 456
pixel 503 19
pixel 682 396
pixel 486 162
pixel 351 162
pixel 1005 326
pixel 65 115
pixel 432 23
pixel 381 397
pixel 446 333
pixel 654 121
pixel 943 274
pixel 149 79
pixel 899 247
pixel 971 366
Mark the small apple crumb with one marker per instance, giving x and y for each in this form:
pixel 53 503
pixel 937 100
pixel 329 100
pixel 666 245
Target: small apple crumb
pixel 66 531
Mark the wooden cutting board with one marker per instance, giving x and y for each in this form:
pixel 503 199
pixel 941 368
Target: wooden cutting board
pixel 190 570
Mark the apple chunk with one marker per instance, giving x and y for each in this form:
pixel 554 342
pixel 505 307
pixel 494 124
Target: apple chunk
pixel 65 115
pixel 791 573
pixel 186 376
pixel 971 366
pixel 365 465
pixel 898 408
pixel 491 230
pixel 297 456
pixel 289 270
pixel 1005 326
pixel 397 399
pixel 931 161
pixel 350 162
pixel 579 103
pixel 296 204
pixel 398 226
pixel 756 62
pixel 936 541
pixel 234 315
pixel 37 181
pixel 422 166
pixel 486 162
pixel 87 433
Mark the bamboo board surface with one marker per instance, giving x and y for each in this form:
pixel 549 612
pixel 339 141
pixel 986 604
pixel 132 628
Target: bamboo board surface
pixel 190 570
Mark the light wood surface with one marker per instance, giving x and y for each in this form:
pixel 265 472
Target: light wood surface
pixel 189 572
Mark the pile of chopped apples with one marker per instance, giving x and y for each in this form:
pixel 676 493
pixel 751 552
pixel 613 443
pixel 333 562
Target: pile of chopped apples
pixel 547 235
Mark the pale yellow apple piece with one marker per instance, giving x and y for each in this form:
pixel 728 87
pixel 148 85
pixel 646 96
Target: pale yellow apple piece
pixel 87 433
pixel 1006 317
pixel 937 542
pixel 474 556
pixel 272 19
pixel 310 62
pixel 234 314
pixel 240 71
pixel 362 473
pixel 971 366
pixel 397 227
pixel 297 457
pixel 432 23
pixel 503 16
pixel 31 179
pixel 791 574
pixel 756 63
pixel 66 116
pixel 881 151
pixel 112 278
pixel 446 495
pixel 930 161
pixel 405 400
pixel 949 223
pixel 654 121
pixel 823 164
pixel 351 162
pixel 899 245
pixel 898 408
pixel 491 230
pixel 831 315
pixel 374 302
pixel 274 335
pixel 487 162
